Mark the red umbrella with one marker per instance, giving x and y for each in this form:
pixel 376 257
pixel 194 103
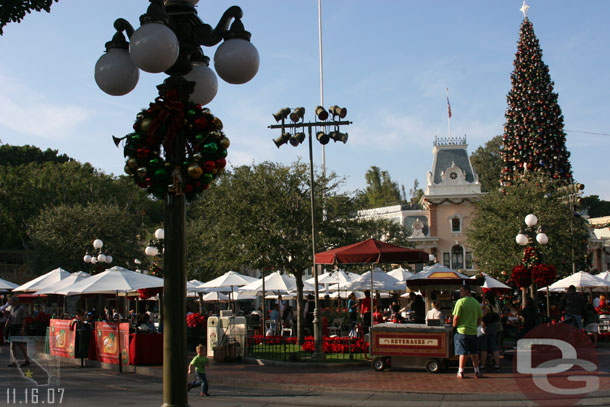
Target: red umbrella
pixel 371 251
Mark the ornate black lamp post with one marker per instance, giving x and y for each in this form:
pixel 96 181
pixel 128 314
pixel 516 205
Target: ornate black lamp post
pixel 294 133
pixel 177 147
pixel 98 258
pixel 532 256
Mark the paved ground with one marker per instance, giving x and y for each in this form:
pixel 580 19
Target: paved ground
pixel 260 384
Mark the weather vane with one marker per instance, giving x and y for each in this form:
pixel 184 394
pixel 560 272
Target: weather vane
pixel 524 8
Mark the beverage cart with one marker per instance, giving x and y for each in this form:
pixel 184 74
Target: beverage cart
pixel 420 345
pixel 411 346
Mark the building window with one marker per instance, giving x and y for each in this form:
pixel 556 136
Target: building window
pixel 468 260
pixel 446 260
pixel 456 224
pixel 457 257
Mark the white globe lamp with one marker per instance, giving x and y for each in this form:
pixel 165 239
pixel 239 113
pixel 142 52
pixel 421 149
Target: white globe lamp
pixel 154 47
pixel 98 244
pixel 206 83
pixel 531 220
pixel 236 61
pixel 87 258
pixel 159 234
pixel 151 251
pixel 542 238
pixel 101 258
pixel 115 73
pixel 521 239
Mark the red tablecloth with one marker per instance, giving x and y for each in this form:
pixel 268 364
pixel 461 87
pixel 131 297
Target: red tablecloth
pixel 146 349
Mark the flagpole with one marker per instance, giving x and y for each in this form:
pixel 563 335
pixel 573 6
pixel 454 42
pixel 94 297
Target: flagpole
pixel 448 115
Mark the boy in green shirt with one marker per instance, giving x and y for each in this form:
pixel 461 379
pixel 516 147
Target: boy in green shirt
pixel 467 316
pixel 199 362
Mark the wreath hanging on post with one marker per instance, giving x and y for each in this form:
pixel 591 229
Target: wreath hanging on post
pixel 522 276
pixel 543 274
pixel 153 167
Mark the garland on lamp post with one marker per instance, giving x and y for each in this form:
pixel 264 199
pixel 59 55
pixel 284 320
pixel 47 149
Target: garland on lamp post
pixel 177 147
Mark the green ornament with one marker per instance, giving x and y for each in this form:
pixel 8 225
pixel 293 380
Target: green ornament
pixel 210 148
pixel 222 153
pixel 160 173
pixel 191 112
pixel 154 162
pixel 206 178
pixel 199 137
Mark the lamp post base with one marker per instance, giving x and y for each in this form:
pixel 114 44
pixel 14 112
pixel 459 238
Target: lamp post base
pixel 318 353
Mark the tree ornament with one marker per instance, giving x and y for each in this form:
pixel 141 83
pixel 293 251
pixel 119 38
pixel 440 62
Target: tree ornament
pixel 194 170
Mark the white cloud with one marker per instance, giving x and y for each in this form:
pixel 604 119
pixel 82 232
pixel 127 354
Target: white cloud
pixel 25 111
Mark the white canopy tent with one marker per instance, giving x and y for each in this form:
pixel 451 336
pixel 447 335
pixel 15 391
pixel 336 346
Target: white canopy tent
pixel 114 280
pixel 492 283
pixel 43 281
pixel 400 274
pixel 604 276
pixel 71 279
pixel 382 281
pixel 581 280
pixel 215 296
pixel 7 285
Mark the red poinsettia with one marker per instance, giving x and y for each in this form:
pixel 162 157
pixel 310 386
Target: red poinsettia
pixel 543 274
pixel 522 276
pixel 194 320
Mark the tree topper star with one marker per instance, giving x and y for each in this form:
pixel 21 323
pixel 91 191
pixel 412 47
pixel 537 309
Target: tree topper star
pixel 28 374
pixel 524 8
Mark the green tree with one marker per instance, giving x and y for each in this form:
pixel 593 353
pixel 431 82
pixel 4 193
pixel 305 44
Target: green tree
pixel 416 194
pixel 15 10
pixel 498 217
pixel 594 206
pixel 25 190
pixel 258 217
pixel 380 190
pixel 534 136
pixel 17 155
pixel 487 162
pixel 61 235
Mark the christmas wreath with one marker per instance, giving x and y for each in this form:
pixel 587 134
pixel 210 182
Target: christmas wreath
pixel 543 274
pixel 531 256
pixel 522 276
pixel 158 126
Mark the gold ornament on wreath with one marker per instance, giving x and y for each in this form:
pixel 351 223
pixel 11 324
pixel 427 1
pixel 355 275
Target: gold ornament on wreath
pixel 152 167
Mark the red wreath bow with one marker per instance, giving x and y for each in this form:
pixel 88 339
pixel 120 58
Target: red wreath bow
pixel 169 111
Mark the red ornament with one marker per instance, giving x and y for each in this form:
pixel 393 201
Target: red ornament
pixel 201 123
pixel 143 153
pixel 221 163
pixel 209 166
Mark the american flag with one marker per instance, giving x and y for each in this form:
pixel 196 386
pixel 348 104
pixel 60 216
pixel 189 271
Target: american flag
pixel 448 107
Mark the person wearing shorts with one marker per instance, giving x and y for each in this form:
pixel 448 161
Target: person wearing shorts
pixel 466 317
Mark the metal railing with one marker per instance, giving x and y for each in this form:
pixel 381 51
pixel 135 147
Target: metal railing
pixel 287 349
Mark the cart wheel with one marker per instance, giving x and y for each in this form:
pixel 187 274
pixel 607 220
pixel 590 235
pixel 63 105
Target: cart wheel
pixel 433 366
pixel 379 364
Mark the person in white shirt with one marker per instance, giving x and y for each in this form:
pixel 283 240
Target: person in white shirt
pixel 434 313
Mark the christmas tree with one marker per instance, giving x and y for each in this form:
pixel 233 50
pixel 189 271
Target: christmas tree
pixel 534 138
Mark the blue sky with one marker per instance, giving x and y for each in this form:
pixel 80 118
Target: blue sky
pixel 388 62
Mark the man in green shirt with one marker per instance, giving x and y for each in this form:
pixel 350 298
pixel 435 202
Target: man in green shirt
pixel 466 318
pixel 199 362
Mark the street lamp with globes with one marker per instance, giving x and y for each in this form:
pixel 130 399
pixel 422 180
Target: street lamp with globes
pixel 98 256
pixel 526 237
pixel 169 40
